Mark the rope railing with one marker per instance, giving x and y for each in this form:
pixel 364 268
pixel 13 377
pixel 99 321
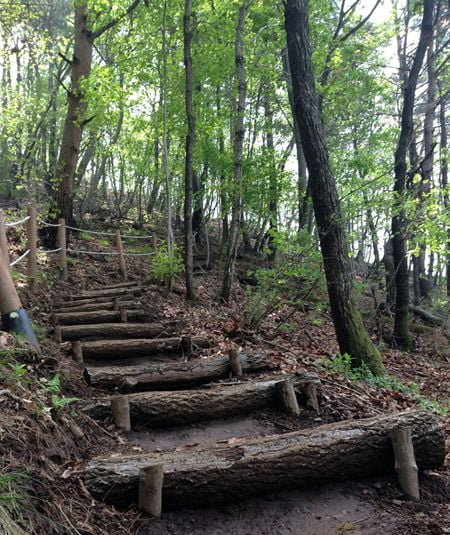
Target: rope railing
pixel 62 250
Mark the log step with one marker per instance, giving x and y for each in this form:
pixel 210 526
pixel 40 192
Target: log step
pixel 163 409
pixel 84 302
pixel 141 347
pixel 198 476
pixel 90 307
pixel 114 292
pixel 105 316
pixel 117 285
pixel 171 375
pixel 115 330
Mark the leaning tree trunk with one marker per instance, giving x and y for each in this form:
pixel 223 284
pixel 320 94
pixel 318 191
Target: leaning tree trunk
pixel 239 468
pixel 189 161
pixel 239 133
pixel 399 228
pixel 351 334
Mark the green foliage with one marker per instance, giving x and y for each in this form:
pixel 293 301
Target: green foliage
pixel 12 508
pixel 53 387
pixel 342 365
pixel 164 266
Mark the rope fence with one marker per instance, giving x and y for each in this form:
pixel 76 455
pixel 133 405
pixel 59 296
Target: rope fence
pixel 62 250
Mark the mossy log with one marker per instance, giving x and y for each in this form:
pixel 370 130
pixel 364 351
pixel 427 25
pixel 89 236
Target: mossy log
pixel 161 409
pixel 105 316
pixel 427 316
pixel 171 375
pixel 140 347
pixel 242 467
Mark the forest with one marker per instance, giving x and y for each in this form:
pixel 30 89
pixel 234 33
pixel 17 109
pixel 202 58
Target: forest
pixel 225 266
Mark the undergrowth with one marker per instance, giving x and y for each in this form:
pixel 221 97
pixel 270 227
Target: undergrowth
pixel 342 365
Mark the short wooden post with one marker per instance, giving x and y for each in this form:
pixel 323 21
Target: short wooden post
pixel 62 244
pixel 235 363
pixel 123 315
pixel 186 345
pixel 116 306
pixel 120 410
pixel 154 243
pixel 57 336
pixel 150 490
pixel 32 246
pixel 312 401
pixel 405 461
pixel 122 264
pixel 3 238
pixel 287 398
pixel 77 352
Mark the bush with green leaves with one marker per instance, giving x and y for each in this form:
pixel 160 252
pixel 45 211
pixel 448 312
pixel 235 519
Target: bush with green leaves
pixel 165 267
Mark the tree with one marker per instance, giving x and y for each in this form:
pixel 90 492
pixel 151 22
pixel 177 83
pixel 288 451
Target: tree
pixel 399 229
pixel 351 334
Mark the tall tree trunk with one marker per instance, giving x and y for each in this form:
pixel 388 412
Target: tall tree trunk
pixel 239 133
pixel 399 229
pixel 444 174
pixel 351 334
pixel 61 205
pixel 273 186
pixel 189 161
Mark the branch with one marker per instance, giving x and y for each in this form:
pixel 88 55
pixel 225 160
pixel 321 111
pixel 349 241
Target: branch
pixel 113 22
pixel 360 23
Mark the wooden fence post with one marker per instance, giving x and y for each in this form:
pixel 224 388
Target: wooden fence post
pixel 3 239
pixel 154 243
pixel 32 246
pixel 14 317
pixel 122 264
pixel 62 243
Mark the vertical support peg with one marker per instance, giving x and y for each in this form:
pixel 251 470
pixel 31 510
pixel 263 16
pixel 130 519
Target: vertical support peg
pixel 32 246
pixel 120 410
pixel 235 363
pixel 405 462
pixel 287 398
pixel 150 490
pixel 62 244
pixel 122 264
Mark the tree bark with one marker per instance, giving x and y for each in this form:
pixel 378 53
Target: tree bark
pixel 399 231
pixel 163 409
pixel 189 158
pixel 176 375
pixel 111 293
pixel 444 175
pixel 351 334
pixel 233 471
pixel 90 307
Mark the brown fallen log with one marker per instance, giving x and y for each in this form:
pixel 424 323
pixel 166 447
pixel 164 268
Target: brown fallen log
pixel 116 349
pixel 427 316
pixel 90 307
pixel 106 316
pixel 114 292
pixel 242 467
pixel 114 330
pixel 171 375
pixel 161 409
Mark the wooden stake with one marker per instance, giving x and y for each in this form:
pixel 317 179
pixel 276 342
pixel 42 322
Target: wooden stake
pixel 122 264
pixel 154 243
pixel 116 305
pixel 123 315
pixel 77 352
pixel 235 363
pixel 62 243
pixel 150 490
pixel 312 401
pixel 120 409
pixel 186 345
pixel 287 398
pixel 57 336
pixel 32 246
pixel 405 461
pixel 3 239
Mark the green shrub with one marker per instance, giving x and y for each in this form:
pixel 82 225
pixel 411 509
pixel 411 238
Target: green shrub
pixel 164 267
